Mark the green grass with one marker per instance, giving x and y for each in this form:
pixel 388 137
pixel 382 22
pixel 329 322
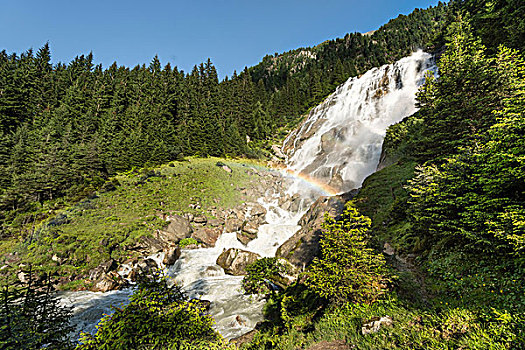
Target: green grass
pixel 438 328
pixel 95 230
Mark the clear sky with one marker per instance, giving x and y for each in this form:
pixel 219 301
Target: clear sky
pixel 233 33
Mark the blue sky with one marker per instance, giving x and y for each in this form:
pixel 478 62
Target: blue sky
pixel 233 33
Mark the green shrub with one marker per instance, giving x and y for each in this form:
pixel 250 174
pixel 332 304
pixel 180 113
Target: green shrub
pixel 261 275
pixel 347 271
pixel 187 241
pixel 156 317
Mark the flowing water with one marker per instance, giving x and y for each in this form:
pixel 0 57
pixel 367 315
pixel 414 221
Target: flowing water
pixel 337 146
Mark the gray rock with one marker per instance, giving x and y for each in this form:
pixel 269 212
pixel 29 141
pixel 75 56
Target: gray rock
pixel 207 235
pixel 234 261
pixel 178 228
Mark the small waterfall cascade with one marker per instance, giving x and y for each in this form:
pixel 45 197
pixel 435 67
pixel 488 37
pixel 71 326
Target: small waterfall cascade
pixel 332 151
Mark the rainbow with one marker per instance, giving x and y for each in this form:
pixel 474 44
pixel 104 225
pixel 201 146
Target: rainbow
pixel 322 187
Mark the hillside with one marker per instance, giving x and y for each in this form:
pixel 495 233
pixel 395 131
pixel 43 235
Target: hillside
pixel 98 192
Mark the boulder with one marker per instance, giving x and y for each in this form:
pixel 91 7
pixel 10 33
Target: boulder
pixel 245 237
pixel 147 265
pixel 234 261
pixel 178 229
pixel 206 235
pixel 171 255
pixel 257 210
pixel 303 246
pixel 250 228
pixel 150 244
pixel 233 225
pixel 107 282
pixel 102 269
pixel 201 219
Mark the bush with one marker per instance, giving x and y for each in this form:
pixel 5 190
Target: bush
pixel 347 271
pixel 187 241
pixel 262 276
pixel 156 317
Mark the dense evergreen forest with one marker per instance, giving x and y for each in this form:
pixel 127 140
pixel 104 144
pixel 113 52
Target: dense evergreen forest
pixel 65 128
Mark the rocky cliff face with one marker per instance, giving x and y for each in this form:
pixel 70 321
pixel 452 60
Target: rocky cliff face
pixel 303 246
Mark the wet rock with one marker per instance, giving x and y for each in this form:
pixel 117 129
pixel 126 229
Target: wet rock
pixel 234 261
pixel 147 265
pixel 212 271
pixel 251 228
pixel 373 325
pixel 295 203
pixel 245 237
pixel 303 246
pixel 206 235
pixel 171 255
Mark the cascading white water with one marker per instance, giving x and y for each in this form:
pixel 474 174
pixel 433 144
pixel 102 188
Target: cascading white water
pixel 338 144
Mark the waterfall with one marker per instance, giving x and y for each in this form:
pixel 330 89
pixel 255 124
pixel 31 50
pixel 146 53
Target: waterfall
pixel 332 151
pixel 339 143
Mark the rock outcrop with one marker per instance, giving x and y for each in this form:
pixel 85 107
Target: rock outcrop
pixel 171 255
pixel 303 246
pixel 234 261
pixel 178 229
pixel 206 235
